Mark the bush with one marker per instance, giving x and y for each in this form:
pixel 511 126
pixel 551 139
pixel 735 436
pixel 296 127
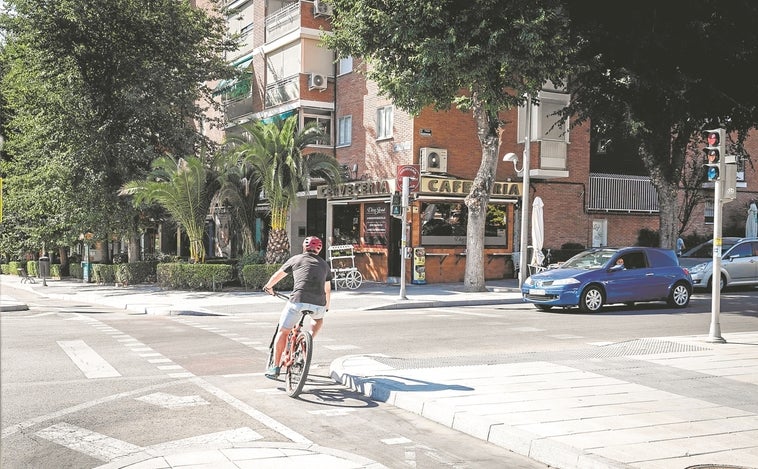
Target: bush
pixel 5 269
pixel 181 276
pixel 104 274
pixel 31 268
pixel 55 270
pixel 255 276
pixel 248 259
pixel 135 272
pixel 75 270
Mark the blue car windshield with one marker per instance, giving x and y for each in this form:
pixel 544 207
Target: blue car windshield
pixel 589 259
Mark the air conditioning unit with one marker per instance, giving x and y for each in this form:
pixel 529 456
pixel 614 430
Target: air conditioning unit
pixel 316 81
pixel 321 9
pixel 433 160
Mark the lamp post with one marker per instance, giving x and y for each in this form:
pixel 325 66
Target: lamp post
pixel 524 173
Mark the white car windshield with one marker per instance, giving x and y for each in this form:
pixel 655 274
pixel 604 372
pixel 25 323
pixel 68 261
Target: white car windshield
pixel 589 259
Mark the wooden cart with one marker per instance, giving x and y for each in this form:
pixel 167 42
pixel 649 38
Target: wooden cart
pixel 342 262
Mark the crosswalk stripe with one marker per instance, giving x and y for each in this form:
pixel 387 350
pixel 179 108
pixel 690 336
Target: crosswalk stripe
pixel 85 441
pixel 91 364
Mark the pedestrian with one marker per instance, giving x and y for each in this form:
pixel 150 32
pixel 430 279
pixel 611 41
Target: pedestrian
pixel 311 291
pixel 679 246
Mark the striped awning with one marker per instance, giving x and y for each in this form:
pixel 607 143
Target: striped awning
pixel 239 86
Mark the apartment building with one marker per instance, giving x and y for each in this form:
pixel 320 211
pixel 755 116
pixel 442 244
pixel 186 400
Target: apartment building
pixel 591 198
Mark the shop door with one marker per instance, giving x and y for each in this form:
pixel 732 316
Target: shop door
pixel 316 220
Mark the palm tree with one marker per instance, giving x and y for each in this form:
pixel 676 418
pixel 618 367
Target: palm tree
pixel 276 152
pixel 184 188
pixel 240 189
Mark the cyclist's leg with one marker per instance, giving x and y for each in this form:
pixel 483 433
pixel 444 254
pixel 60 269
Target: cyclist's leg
pixel 316 326
pixel 289 316
pixel 317 317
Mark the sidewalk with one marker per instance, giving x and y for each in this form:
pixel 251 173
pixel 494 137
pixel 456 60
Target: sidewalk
pixel 658 403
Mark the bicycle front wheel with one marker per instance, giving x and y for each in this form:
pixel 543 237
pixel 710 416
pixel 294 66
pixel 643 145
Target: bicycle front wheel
pixel 297 373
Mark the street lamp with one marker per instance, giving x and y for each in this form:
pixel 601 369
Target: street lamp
pixel 524 173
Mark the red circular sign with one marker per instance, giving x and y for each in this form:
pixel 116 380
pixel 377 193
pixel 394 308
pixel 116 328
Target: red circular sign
pixel 412 172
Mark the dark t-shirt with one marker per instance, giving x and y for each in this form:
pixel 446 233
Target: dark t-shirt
pixel 310 273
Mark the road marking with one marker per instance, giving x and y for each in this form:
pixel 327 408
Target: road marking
pixel 107 449
pixel 332 412
pixel 92 444
pixel 396 441
pixel 341 347
pixel 170 401
pixel 91 364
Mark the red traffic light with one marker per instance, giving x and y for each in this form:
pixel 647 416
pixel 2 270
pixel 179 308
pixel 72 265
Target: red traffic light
pixel 713 139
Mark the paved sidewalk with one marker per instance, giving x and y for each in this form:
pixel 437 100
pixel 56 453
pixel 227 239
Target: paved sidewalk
pixel 668 402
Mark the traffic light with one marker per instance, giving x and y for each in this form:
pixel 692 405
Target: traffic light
pixel 715 151
pixel 397 207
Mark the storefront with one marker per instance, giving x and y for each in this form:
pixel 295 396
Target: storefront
pixel 358 213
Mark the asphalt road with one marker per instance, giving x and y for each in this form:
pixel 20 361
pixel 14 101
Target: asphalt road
pixel 82 385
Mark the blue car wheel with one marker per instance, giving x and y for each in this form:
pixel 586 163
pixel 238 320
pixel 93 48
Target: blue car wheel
pixel 591 300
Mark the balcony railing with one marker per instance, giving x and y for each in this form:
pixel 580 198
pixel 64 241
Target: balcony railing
pixel 282 21
pixel 622 193
pixel 238 107
pixel 283 91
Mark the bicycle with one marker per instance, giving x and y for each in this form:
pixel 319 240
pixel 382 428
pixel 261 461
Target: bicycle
pixel 297 354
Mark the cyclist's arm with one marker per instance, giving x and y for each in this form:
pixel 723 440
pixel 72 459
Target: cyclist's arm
pixel 275 278
pixel 328 291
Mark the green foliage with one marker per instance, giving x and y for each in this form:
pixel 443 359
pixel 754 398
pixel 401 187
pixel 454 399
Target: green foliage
pixel 76 271
pixel 92 92
pixel 182 276
pixel 55 270
pixel 648 237
pixel 31 268
pixel 255 276
pixel 104 274
pixel 184 188
pixel 135 272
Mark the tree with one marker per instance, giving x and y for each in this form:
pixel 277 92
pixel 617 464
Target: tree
pixel 277 152
pixel 93 92
pixel 184 188
pixel 663 72
pixel 481 56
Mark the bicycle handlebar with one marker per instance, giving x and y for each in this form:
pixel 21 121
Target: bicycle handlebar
pixel 277 294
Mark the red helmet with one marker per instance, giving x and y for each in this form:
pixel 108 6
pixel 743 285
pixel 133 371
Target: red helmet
pixel 313 244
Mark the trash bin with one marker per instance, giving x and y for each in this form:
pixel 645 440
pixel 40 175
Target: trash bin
pixel 85 271
pixel 44 267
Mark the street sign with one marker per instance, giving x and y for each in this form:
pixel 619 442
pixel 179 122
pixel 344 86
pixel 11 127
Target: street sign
pixel 412 172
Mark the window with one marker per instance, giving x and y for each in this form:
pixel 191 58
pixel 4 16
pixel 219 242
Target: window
pixel 546 123
pixel 384 122
pixel 324 122
pixel 345 66
pixel 346 228
pixel 445 224
pixel 344 131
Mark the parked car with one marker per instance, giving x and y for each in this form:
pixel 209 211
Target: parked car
pixel 597 277
pixel 739 266
pixel 703 252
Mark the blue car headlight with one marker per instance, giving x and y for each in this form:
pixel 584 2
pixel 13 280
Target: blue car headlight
pixel 566 281
pixel 528 281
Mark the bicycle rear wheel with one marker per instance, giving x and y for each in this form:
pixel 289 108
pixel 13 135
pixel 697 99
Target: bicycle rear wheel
pixel 297 373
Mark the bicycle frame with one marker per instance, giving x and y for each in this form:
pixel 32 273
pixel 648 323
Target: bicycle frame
pixel 296 356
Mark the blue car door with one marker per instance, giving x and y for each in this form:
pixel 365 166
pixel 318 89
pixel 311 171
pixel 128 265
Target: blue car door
pixel 631 282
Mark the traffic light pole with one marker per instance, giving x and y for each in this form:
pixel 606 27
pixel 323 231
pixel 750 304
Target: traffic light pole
pixel 715 331
pixel 404 235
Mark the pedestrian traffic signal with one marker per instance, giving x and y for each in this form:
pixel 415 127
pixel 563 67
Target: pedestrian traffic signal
pixel 715 151
pixel 397 208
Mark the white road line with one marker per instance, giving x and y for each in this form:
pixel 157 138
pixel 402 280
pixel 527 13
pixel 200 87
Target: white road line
pixel 91 364
pixel 252 412
pixel 85 441
pixel 171 401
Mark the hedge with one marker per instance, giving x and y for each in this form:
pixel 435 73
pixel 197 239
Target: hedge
pixel 181 276
pixel 255 276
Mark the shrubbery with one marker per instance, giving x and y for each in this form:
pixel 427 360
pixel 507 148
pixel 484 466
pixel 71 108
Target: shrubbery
pixel 254 276
pixel 180 276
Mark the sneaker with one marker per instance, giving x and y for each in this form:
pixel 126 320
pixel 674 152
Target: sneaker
pixel 273 372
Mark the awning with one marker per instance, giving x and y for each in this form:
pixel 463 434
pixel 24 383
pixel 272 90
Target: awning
pixel 240 85
pixel 281 116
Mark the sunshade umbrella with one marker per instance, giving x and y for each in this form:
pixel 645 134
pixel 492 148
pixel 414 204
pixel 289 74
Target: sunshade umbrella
pixel 751 225
pixel 538 231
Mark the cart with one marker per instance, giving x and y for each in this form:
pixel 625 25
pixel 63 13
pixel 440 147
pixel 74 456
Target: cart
pixel 342 262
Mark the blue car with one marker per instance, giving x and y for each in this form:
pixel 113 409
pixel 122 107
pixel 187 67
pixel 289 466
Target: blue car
pixel 602 276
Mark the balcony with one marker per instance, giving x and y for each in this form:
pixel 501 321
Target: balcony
pixel 236 108
pixel 621 193
pixel 552 160
pixel 283 91
pixel 283 21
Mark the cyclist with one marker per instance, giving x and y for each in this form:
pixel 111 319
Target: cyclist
pixel 311 291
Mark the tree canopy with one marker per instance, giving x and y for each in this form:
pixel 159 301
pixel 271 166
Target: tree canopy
pixel 480 55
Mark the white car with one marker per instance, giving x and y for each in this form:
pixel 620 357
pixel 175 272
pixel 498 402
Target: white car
pixel 739 266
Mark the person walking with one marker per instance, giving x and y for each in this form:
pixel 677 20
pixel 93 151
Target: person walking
pixel 311 291
pixel 679 246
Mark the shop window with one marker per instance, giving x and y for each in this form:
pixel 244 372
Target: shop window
pixel 445 224
pixel 346 224
pixel 376 219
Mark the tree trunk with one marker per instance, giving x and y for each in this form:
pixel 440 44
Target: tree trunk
pixel 134 242
pixel 478 198
pixel 278 249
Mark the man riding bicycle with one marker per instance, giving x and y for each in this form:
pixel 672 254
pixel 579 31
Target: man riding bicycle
pixel 311 291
